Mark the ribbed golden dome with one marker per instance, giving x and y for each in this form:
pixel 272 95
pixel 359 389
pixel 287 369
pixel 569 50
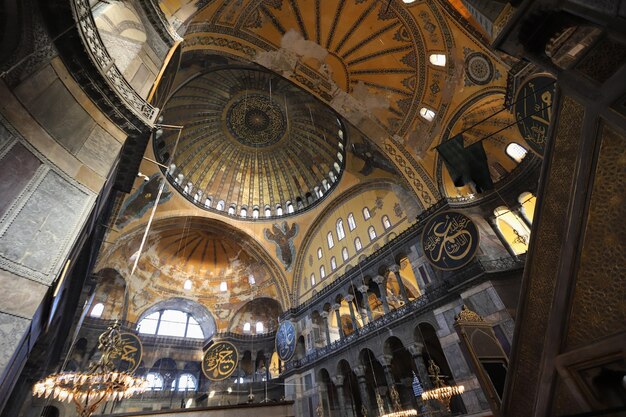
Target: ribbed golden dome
pixel 253 144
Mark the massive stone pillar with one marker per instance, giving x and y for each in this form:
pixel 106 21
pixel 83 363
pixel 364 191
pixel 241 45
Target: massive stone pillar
pixel 359 371
pixel 338 381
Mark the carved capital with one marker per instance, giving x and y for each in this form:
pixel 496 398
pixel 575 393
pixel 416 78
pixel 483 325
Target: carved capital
pixel 379 279
pixel 349 298
pixel 415 349
pixel 363 289
pixel 394 268
pixel 338 380
pixel 385 360
pixel 336 306
pixel 359 371
pixel 324 315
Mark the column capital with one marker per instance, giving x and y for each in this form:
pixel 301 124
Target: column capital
pixel 336 306
pixel 415 349
pixel 349 298
pixel 385 360
pixel 324 315
pixel 359 371
pixel 338 380
pixel 379 279
pixel 363 289
pixel 395 268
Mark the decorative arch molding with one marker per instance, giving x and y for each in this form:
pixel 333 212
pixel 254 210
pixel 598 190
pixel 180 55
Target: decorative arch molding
pixel 315 227
pixel 199 312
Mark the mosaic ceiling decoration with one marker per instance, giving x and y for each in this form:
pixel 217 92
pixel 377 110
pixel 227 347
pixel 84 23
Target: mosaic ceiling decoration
pixel 374 50
pixel 253 144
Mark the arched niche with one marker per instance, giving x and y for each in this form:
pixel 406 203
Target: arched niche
pixel 260 310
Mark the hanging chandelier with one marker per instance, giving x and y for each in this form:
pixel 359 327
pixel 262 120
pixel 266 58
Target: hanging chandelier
pixel 99 384
pixel 441 392
pixel 398 412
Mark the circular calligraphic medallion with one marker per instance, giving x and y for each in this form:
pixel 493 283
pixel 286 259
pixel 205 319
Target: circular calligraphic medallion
pixel 286 340
pixel 128 358
pixel 220 361
pixel 533 110
pixel 450 240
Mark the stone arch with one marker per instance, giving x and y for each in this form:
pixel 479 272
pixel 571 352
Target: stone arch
pixel 202 315
pixel 263 309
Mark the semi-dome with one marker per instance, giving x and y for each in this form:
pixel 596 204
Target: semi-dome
pixel 253 144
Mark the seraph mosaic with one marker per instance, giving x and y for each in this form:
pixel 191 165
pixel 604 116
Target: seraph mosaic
pixel 282 236
pixel 141 200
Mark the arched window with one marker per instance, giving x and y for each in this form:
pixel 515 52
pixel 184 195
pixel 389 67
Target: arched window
pixel 514 230
pixel 97 310
pixel 231 210
pixel 255 212
pixel 246 327
pixel 154 381
pixel 243 212
pixel 333 263
pixel 341 233
pixel 516 151
pixel 386 222
pixel 259 327
pixel 186 382
pixel 427 114
pixel 187 285
pixel 366 213
pixel 357 244
pixel 312 280
pixel 322 272
pixel 197 197
pixel 220 205
pixel 331 175
pixel 279 210
pixel 319 253
pixel 223 286
pixel 371 232
pixel 289 207
pixel 331 241
pixel 171 323
pixel 188 188
pixel 325 185
pixel 344 254
pixel 438 60
pixel 207 202
pixel 351 222
pixel 268 211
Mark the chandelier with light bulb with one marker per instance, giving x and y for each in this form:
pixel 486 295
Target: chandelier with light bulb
pixel 441 392
pixel 99 384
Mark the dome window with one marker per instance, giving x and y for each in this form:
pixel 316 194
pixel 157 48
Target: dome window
pixel 279 210
pixel 259 327
pixel 97 310
pixel 516 151
pixel 243 212
pixel 290 208
pixel 207 202
pixel 187 285
pixel 246 327
pixel 427 114
pixel 231 210
pixel 268 211
pixel 255 212
pixel 220 205
pixel 438 60
pixel 223 286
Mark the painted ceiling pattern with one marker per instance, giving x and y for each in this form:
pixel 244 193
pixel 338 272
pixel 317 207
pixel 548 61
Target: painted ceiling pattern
pixel 251 139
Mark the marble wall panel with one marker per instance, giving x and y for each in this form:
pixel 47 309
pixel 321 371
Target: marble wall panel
pixel 62 116
pixel 482 303
pixel 12 329
pixel 35 241
pixel 17 168
pixel 20 296
pixel 99 151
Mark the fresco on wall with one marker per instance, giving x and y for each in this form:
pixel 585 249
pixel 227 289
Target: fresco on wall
pixel 282 236
pixel 141 200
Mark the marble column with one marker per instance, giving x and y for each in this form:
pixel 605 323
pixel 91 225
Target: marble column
pixel 382 287
pixel 385 361
pixel 416 350
pixel 349 299
pixel 366 301
pixel 396 271
pixel 359 371
pixel 324 315
pixel 496 230
pixel 322 389
pixel 519 211
pixel 338 381
pixel 338 317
